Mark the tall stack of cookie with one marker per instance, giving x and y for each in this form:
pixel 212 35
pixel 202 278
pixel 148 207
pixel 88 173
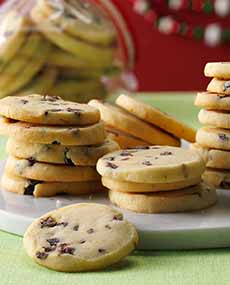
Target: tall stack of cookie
pixel 132 123
pixel 156 179
pixel 58 47
pixel 53 146
pixel 213 140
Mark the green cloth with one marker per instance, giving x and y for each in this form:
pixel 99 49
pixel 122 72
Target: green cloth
pixel 159 267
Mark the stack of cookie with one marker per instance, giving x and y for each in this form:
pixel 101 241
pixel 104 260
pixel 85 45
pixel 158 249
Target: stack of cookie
pixel 53 147
pixel 213 140
pixel 59 47
pixel 132 123
pixel 156 179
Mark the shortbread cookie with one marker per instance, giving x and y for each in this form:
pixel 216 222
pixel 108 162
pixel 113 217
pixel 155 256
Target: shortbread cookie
pixel 219 86
pixel 213 101
pixel 100 30
pixel 218 70
pixel 31 169
pixel 133 187
pixel 214 138
pixel 117 118
pixel 39 188
pixel 49 110
pixel 41 84
pixel 151 164
pixel 219 119
pixel 219 178
pixel 65 135
pixel 63 40
pixel 80 237
pixel 59 154
pixel 189 199
pixel 213 157
pixel 154 116
pixel 14 29
pixel 123 139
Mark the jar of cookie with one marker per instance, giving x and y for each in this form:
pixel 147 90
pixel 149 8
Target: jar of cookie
pixel 75 49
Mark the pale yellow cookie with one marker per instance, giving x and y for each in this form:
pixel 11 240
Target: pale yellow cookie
pixel 218 70
pixel 117 118
pixel 214 138
pixel 151 164
pixel 38 188
pixel 48 110
pixel 219 86
pixel 156 117
pixel 213 101
pixel 80 237
pixel 59 154
pixel 65 135
pixel 189 199
pixel 31 169
pixel 133 187
pixel 213 157
pixel 219 119
pixel 219 178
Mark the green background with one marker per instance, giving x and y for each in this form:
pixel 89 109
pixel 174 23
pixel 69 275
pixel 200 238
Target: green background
pixel 142 267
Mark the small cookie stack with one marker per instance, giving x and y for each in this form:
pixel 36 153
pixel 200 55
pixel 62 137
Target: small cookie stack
pixel 213 140
pixel 52 50
pixel 133 123
pixel 156 179
pixel 53 147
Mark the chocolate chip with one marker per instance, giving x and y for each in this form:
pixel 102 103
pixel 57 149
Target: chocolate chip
pixel 110 158
pixel 126 153
pixel 64 224
pixel 24 101
pixel 29 190
pixel 108 227
pixel 75 111
pixel 53 241
pixel 50 248
pixel 82 241
pixel 226 86
pixel 76 228
pixel 126 158
pixel 65 249
pixel 90 231
pixel 56 143
pixel 41 255
pixel 67 160
pixel 118 217
pixel 46 113
pixel 166 153
pixel 48 222
pixel 222 96
pixel 147 163
pixel 223 137
pixel 111 165
pixel 101 250
pixel 141 147
pixel 31 161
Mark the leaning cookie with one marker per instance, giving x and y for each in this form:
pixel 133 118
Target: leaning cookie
pixel 189 199
pixel 218 70
pixel 39 188
pixel 219 86
pixel 80 237
pixel 59 154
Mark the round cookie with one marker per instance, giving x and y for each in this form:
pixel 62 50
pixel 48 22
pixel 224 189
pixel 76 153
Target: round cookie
pixel 213 138
pixel 213 101
pixel 219 119
pixel 124 140
pixel 219 178
pixel 218 70
pixel 84 50
pixel 59 154
pixel 65 135
pixel 219 86
pixel 151 164
pixel 133 187
pixel 39 188
pixel 91 27
pixel 29 168
pixel 117 118
pixel 195 198
pixel 80 237
pixel 213 157
pixel 154 116
pixel 48 110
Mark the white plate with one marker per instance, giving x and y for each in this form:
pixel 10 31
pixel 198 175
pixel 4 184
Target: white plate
pixel 202 229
